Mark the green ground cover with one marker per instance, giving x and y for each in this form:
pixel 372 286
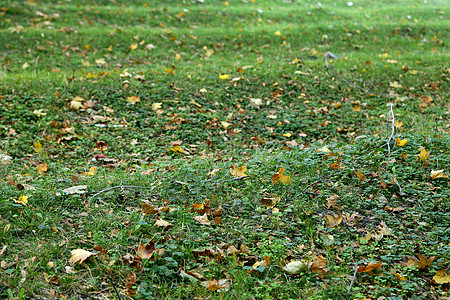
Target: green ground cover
pixel 224 149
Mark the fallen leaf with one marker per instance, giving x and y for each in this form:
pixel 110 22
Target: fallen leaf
pixel 225 124
pixel 78 189
pixel 133 99
pixel 370 267
pixel 441 277
pixel 224 76
pixel 156 106
pixel 238 172
pixel 277 33
pixel 133 46
pixel 361 176
pixel 398 124
pixel 280 177
pixel 331 201
pixel 92 171
pixel 131 281
pixel 438 174
pixel 79 255
pixel 401 143
pixel 162 223
pixel 23 200
pixel 41 168
pixel 381 231
pixel 203 90
pixel 318 264
pixel 270 202
pixel 333 221
pixel 145 251
pixel 395 84
pixel 295 267
pixel 75 104
pixel 422 262
pixel 39 112
pixel 424 154
pixel 202 219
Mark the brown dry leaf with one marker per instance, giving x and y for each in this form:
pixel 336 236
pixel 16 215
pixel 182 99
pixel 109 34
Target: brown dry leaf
pixel 148 209
pixel 361 176
pixel 217 220
pixel 215 285
pixel 145 251
pixel 238 172
pixel 318 264
pixel 334 166
pixel 131 280
pixel 331 201
pixel 438 174
pixel 79 255
pixel 202 219
pixel 333 221
pixel 422 262
pixel 217 212
pixel 441 277
pixel 162 223
pixel 381 231
pixel 370 267
pixel 232 250
pixel 265 262
pixel 244 249
pixel 280 177
pixel 270 202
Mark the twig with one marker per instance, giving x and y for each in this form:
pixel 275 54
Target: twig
pixel 353 279
pixel 117 187
pixel 392 119
pixel 114 287
pixel 357 86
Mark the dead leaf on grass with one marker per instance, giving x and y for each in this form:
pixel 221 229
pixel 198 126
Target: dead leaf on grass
pixel 370 267
pixel 79 255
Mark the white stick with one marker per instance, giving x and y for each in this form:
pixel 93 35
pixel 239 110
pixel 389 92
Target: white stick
pixel 392 119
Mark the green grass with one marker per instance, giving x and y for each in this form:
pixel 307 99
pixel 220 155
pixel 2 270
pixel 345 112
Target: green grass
pixel 324 121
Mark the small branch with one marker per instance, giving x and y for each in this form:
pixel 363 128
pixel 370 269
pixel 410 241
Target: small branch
pixel 392 119
pixel 353 279
pixel 357 86
pixel 119 187
pixel 114 287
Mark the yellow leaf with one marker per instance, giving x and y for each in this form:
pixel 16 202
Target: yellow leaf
pixel 156 106
pixel 133 47
pixel 287 134
pixel 333 221
pixel 424 154
pixel 79 255
pixel 92 171
pixel 203 90
pixel 224 76
pixel 177 56
pixel 169 71
pixel 225 124
pixel 23 200
pixel 238 172
pixel 37 146
pixel 441 277
pixel 280 177
pixel 399 124
pixel 75 104
pixel 176 149
pixel 277 33
pixel 39 112
pixel 395 84
pixel 422 262
pixel 100 62
pixel 133 99
pixel 401 143
pixel 438 174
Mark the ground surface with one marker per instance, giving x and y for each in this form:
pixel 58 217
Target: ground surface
pixel 254 141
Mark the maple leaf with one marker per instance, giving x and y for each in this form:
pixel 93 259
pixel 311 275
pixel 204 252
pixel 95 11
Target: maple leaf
pixel 225 124
pixel 424 154
pixel 438 174
pixel 202 219
pixel 92 171
pixel 39 112
pixel 133 99
pixel 23 200
pixel 422 262
pixel 224 76
pixel 238 172
pixel 133 46
pixel 79 255
pixel 156 106
pixel 75 104
pixel 441 277
pixel 37 146
pixel 401 143
pixel 398 124
pixel 280 177
pixel 41 168
pixel 370 267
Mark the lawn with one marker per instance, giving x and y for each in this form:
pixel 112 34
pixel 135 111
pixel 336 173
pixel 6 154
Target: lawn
pixel 241 149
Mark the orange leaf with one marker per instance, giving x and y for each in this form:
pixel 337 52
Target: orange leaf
pixel 361 176
pixel 370 267
pixel 41 169
pixel 280 177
